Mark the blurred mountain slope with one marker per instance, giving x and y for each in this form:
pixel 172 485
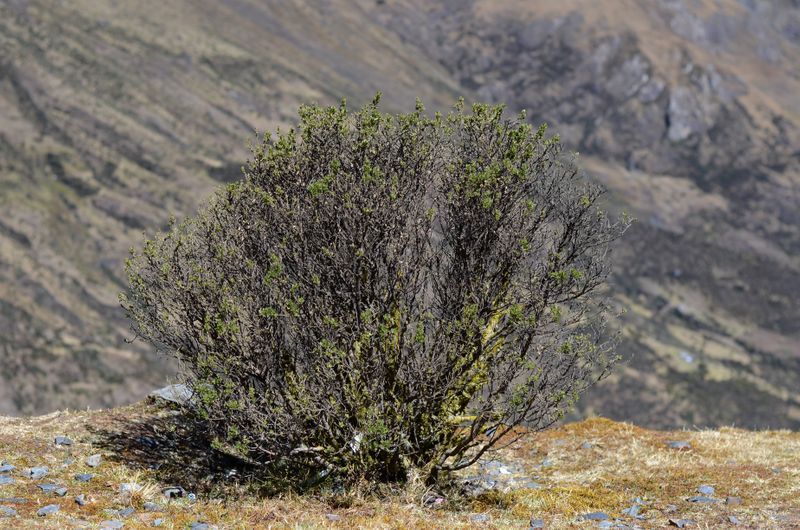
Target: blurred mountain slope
pixel 116 114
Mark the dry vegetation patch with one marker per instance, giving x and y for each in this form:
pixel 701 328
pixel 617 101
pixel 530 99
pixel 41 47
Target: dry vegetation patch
pixel 592 466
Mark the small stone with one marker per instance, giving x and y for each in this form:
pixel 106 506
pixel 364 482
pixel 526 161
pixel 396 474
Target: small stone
pixel 192 497
pixel 151 507
pixel 94 460
pixel 62 440
pixel 670 508
pixel 157 522
pixel 173 492
pixel 199 526
pixel 53 488
pixel 547 462
pixel 81 500
pixel 112 524
pixel 6 468
pixel 733 520
pixel 536 524
pixel 587 445
pixel 129 487
pixel 595 516
pixel 48 510
pixel 5 480
pixel 37 472
pixel 733 501
pixel 178 394
pixel 84 477
pixel 633 511
pixel 479 518
pixel 681 523
pixel 705 489
pixel 13 500
pixel 679 445
pixel 333 517
pixel 7 511
pixel 702 500
pixel 126 512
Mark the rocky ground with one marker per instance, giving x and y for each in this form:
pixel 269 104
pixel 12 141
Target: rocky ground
pixel 137 467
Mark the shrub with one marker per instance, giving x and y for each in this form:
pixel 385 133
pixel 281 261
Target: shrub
pixel 384 292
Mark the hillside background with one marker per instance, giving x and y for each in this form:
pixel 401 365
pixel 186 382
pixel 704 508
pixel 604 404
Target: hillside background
pixel 114 115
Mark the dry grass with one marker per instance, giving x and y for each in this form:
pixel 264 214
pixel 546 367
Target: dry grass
pixel 624 462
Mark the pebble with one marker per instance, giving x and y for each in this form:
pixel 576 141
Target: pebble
pixel 333 517
pixel 705 489
pixel 53 488
pixel 173 492
pixel 197 525
pixel 126 512
pixel 12 500
pixel 112 524
pixel 702 500
pixel 681 523
pixel 536 524
pixel 6 480
pixel 129 487
pixel 733 501
pixel 37 472
pixel 151 507
pixel 733 519
pixel 6 468
pixel 587 445
pixel 680 445
pixel 94 460
pixel 81 500
pixel 48 510
pixel 84 477
pixel 157 522
pixel 6 511
pixel 479 518
pixel 595 516
pixel 62 440
pixel 633 511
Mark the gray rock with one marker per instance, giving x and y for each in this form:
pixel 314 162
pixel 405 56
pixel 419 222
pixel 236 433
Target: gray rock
pixel 333 517
pixel 129 487
pixel 13 500
pixel 84 477
pixel 38 472
pixel 112 524
pixel 633 511
pixel 7 511
pixel 733 501
pixel 48 510
pixel 151 507
pixel 681 523
pixel 198 525
pixel 5 480
pixel 62 440
pixel 536 524
pixel 702 500
pixel 595 516
pixel 6 468
pixel 680 445
pixel 53 488
pixel 179 394
pixel 157 522
pixel 126 512
pixel 705 489
pixel 479 518
pixel 173 492
pixel 733 520
pixel 587 445
pixel 94 460
pixel 81 500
